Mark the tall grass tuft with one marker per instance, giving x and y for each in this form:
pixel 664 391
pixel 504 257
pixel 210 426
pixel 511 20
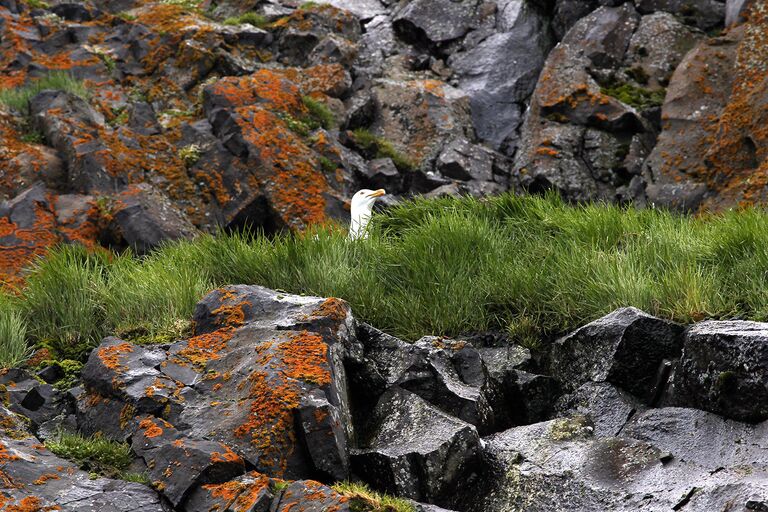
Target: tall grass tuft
pixel 18 97
pixel 13 335
pixel 531 265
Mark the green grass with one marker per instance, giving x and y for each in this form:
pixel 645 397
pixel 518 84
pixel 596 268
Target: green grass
pixel 252 18
pixel 18 97
pixel 377 147
pixel 363 499
pixel 13 335
pixel 95 454
pixel 533 266
pixel 319 112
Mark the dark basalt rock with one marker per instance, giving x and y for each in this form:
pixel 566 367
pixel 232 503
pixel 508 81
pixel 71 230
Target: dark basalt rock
pixel 416 451
pixel 724 368
pixel 606 406
pixel 625 348
pixel 705 14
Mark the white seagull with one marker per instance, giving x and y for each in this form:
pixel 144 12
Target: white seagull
pixel 362 207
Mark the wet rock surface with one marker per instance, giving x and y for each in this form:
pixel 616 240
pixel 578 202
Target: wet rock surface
pixel 275 397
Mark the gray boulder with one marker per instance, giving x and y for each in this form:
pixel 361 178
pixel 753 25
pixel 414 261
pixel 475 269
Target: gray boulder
pixel 736 11
pixel 626 348
pixel 705 14
pixel 434 21
pixel 606 406
pixel 500 73
pixel 415 451
pixel 724 369
pixel 664 459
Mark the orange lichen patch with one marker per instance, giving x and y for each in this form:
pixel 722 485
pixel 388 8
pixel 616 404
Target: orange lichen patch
pixel 203 348
pixel 320 415
pixel 45 477
pixel 270 424
pixel 233 314
pixel 126 414
pixel 5 455
pixel 20 245
pixel 152 429
pixel 30 504
pixel 327 79
pixel 268 88
pixel 547 152
pixel 110 356
pixel 305 357
pixel 295 182
pixel 333 308
pixel 241 496
pixel 226 456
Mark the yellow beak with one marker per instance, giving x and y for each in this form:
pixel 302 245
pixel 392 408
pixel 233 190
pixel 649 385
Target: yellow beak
pixel 377 193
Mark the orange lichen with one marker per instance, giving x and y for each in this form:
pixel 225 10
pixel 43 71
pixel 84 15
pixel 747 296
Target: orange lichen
pixel 226 456
pixel 305 357
pixel 110 356
pixel 333 308
pixel 150 428
pixel 203 348
pixel 30 504
pixel 45 477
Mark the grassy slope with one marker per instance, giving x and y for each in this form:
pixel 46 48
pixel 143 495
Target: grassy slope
pixel 447 266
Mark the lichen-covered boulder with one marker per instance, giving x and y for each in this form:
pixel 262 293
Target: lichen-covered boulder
pixel 724 368
pixel 34 479
pixel 705 14
pixel 262 375
pixel 626 348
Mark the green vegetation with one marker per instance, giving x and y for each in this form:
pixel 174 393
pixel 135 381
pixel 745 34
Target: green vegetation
pixel 534 266
pixel 634 96
pixel 380 148
pixel 95 454
pixel 18 97
pixel 190 154
pixel 252 18
pixel 363 499
pixel 37 4
pixel 319 112
pixel 71 370
pixel 33 137
pixel 13 336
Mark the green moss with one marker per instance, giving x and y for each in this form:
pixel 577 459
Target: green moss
pixel 327 165
pixel 566 429
pixel 726 380
pixel 378 147
pixel 147 335
pixel 95 454
pixel 33 137
pixel 37 4
pixel 319 112
pixel 278 486
pixel 634 96
pixel 363 499
pixel 190 155
pixel 69 367
pixel 252 18
pixel 298 126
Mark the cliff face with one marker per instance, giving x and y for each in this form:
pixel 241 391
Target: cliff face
pixel 160 119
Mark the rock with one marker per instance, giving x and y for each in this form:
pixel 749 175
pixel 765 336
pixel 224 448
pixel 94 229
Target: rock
pixel 310 496
pixel 664 459
pixel 27 396
pixel 248 492
pixel 499 75
pixel 416 451
pixel 606 406
pixel 382 173
pixel 723 369
pixel 434 21
pixel 263 374
pixel 418 117
pixel 144 218
pixel 530 397
pixel 705 14
pixel 736 11
pixel 177 463
pixel 39 480
pixel 625 348
pixel 464 161
pixel 363 9
pixel 698 92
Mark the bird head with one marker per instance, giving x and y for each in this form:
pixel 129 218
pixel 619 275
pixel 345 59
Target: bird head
pixel 364 199
pixel 362 206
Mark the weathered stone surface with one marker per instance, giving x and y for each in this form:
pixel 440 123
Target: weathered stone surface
pixel 664 459
pixel 735 11
pixel 462 160
pixel 625 348
pixel 606 406
pixel 144 218
pixel 705 14
pixel 415 450
pixel 283 407
pixel 724 368
pixel 434 21
pixel 698 92
pixel 500 73
pixel 36 479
